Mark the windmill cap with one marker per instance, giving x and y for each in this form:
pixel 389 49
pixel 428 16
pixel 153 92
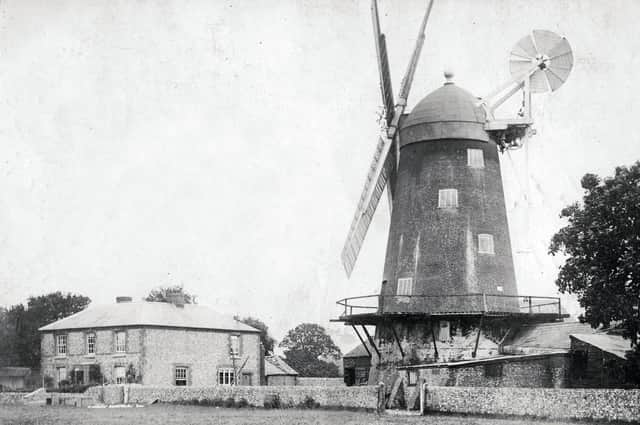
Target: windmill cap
pixel 450 112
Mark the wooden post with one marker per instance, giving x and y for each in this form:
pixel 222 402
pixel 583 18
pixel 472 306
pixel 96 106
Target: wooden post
pixel 433 337
pixel 423 398
pixel 395 335
pixel 475 348
pixel 361 340
pixel 373 344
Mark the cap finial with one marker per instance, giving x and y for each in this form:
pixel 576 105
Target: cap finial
pixel 448 75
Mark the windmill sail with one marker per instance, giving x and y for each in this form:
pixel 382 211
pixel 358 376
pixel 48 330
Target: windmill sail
pixel 384 164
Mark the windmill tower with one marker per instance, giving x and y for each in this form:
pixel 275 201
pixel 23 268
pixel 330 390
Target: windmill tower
pixel 448 289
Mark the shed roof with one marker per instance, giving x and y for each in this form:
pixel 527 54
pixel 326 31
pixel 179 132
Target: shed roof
pixel 10 371
pixel 359 351
pixel 145 313
pixel 612 344
pixel 545 337
pixel 275 365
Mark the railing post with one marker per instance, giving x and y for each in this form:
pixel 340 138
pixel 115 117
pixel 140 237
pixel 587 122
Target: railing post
pixel 530 309
pixel 484 301
pixel 559 309
pixel 423 398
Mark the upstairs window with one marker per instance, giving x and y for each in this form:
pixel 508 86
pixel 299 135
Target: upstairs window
pixel 91 343
pixel 181 376
pixel 121 342
pixel 475 158
pixel 405 286
pixel 61 345
pixel 485 244
pixel 447 198
pixel 234 345
pixel 226 376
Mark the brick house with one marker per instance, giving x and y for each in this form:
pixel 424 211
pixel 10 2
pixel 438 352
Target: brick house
pixel 153 343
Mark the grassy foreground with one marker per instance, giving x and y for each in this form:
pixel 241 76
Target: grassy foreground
pixel 196 415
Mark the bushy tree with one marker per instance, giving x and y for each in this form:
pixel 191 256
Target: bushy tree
pixel 602 245
pixel 40 311
pixel 267 341
pixel 159 294
pixel 307 349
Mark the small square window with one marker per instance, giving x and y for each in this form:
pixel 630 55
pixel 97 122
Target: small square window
pixel 226 376
pixel 405 286
pixel 485 244
pixel 91 343
pixel 448 198
pixel 61 345
pixel 475 158
pixel 121 342
pixel 181 374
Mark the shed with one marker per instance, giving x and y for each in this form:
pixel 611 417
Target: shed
pixel 599 360
pixel 14 378
pixel 357 364
pixel 278 372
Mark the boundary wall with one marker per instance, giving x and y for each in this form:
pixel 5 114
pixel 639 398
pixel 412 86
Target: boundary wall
pixel 555 403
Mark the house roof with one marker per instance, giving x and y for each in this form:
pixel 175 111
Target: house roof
pixel 359 351
pixel 545 337
pixel 275 365
pixel 14 371
pixel 145 313
pixel 612 344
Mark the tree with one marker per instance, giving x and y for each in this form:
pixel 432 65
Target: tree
pixel 267 341
pixel 159 294
pixel 306 348
pixel 40 311
pixel 602 244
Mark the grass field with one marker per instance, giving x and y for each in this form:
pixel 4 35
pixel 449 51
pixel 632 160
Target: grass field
pixel 196 415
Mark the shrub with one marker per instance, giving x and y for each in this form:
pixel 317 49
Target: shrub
pixel 217 402
pixel 308 403
pixel 229 402
pixel 242 403
pixel 272 401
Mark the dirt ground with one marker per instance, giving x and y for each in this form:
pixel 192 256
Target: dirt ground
pixel 196 415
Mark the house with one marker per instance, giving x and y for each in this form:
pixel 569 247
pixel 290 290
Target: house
pixel 14 378
pixel 356 364
pixel 153 343
pixel 278 372
pixel 599 360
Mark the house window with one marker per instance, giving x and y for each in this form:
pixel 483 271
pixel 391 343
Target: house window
pixel 234 345
pixel 485 244
pixel 120 374
pixel 362 375
pixel 444 331
pixel 121 342
pixel 62 374
pixel 61 345
pixel 226 376
pixel 405 286
pixel 475 158
pixel 91 343
pixel 412 377
pixel 181 376
pixel 448 198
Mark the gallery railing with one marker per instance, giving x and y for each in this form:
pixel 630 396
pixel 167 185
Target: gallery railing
pixel 451 304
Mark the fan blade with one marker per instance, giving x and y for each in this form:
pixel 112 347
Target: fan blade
pixel 377 177
pixel 539 83
pixel 545 40
pixel 386 87
pixel 555 81
pixel 526 47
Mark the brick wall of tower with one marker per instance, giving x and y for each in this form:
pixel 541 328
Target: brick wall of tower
pixel 437 247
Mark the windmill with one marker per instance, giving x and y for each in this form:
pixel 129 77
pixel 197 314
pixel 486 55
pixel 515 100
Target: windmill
pixel 448 266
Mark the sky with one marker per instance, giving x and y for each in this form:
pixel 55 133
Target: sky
pixel 223 145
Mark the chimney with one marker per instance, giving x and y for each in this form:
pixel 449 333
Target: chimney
pixel 175 297
pixel 123 300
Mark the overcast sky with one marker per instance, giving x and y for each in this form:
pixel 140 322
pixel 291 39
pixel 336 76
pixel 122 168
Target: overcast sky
pixel 223 145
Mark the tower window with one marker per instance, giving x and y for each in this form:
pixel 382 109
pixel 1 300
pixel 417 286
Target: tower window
pixel 405 286
pixel 475 158
pixel 485 244
pixel 448 198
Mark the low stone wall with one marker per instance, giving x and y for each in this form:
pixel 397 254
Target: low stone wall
pixel 107 394
pixel 365 397
pixel 12 398
pixel 560 403
pixel 321 382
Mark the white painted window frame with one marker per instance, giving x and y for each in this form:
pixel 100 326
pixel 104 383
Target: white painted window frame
pixel 405 286
pixel 121 348
pixel 486 244
pixel 61 345
pixel 226 376
pixel 91 343
pixel 448 198
pixel 475 158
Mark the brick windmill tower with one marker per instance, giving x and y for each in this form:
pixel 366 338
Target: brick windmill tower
pixel 448 290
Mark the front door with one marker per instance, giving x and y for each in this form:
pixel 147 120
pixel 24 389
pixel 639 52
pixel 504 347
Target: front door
pixel 246 379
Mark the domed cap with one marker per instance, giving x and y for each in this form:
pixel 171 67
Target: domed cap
pixel 449 112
